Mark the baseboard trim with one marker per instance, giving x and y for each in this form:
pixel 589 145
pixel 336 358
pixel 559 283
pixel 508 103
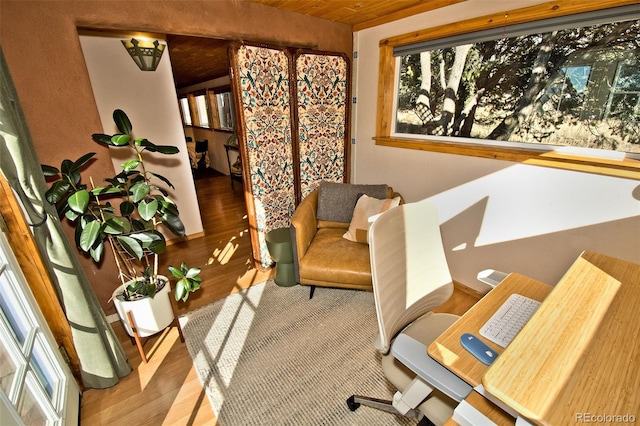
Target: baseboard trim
pixel 188 237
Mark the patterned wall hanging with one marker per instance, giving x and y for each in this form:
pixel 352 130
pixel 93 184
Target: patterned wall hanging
pixel 321 113
pixel 260 78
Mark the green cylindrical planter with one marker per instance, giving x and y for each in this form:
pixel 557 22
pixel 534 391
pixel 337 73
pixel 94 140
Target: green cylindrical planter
pixel 279 245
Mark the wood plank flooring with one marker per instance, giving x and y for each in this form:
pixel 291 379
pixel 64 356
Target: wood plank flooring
pixel 166 390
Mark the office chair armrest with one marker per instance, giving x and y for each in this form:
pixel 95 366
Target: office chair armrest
pixel 413 354
pixel 491 277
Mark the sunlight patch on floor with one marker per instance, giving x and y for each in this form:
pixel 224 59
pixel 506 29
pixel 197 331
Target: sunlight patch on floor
pixel 190 386
pixel 223 255
pixel 235 319
pixel 156 356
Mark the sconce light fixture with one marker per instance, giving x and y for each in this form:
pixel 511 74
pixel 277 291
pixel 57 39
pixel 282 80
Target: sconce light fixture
pixel 145 53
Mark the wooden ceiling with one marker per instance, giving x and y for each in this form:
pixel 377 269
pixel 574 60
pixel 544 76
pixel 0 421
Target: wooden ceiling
pixel 198 59
pixel 360 14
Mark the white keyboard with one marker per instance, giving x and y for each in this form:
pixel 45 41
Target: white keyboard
pixel 509 319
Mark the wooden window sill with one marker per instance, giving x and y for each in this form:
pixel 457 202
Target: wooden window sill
pixel 625 168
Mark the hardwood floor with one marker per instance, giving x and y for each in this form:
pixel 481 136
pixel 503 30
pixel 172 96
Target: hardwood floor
pixel 166 390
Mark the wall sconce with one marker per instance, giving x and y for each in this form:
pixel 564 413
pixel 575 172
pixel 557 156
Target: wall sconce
pixel 145 53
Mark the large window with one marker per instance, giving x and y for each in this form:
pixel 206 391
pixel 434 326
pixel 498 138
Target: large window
pixel 540 96
pixel 577 86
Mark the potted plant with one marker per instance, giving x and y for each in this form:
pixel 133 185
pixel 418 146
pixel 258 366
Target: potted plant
pixel 124 216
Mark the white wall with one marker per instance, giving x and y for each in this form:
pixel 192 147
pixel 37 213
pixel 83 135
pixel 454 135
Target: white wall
pixel 494 214
pixel 150 101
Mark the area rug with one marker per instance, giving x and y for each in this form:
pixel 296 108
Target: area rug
pixel 269 355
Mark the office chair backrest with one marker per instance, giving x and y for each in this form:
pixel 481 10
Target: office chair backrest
pixel 408 266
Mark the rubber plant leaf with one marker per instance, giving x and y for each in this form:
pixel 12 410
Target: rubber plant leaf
pixel 79 200
pixel 90 232
pixel 115 225
pixel 151 289
pixel 122 121
pixel 149 239
pixel 182 290
pixel 102 138
pixel 164 179
pixel 193 272
pixel 148 209
pixel 57 191
pixel 70 173
pixel 127 208
pixel 131 246
pixel 159 244
pixel 120 140
pixel 164 149
pixel 139 191
pixel 49 171
pixel 174 224
pixel 177 273
pixel 168 207
pixel 141 225
pixel 71 215
pixel 130 165
pixel 105 190
pixel 83 160
pixel 66 167
pixel 96 252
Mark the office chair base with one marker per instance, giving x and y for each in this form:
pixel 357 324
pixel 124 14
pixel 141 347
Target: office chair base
pixel 354 402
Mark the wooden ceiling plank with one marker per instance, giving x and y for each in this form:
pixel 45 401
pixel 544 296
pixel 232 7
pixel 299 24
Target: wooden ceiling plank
pixel 420 8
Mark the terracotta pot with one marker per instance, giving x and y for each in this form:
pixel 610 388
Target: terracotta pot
pixel 150 314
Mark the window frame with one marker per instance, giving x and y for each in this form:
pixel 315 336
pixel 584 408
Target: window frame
pixel 197 114
pixel 387 81
pixel 184 114
pixel 217 114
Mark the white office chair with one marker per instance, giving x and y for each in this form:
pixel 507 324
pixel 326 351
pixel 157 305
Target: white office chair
pixel 411 278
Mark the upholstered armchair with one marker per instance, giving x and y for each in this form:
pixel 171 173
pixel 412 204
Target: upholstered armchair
pixel 329 234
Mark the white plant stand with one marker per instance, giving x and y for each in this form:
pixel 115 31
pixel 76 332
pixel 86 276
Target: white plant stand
pixel 146 317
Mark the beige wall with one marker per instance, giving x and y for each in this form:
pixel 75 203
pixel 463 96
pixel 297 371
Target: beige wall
pixel 42 48
pixel 494 214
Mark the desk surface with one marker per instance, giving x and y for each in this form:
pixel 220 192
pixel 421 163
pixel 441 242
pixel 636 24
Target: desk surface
pixel 586 359
pixel 448 351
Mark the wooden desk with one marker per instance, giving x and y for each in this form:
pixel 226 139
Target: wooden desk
pixel 579 355
pixel 448 351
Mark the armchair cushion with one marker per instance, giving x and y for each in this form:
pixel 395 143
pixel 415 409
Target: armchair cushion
pixel 336 201
pixel 367 207
pixel 335 262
